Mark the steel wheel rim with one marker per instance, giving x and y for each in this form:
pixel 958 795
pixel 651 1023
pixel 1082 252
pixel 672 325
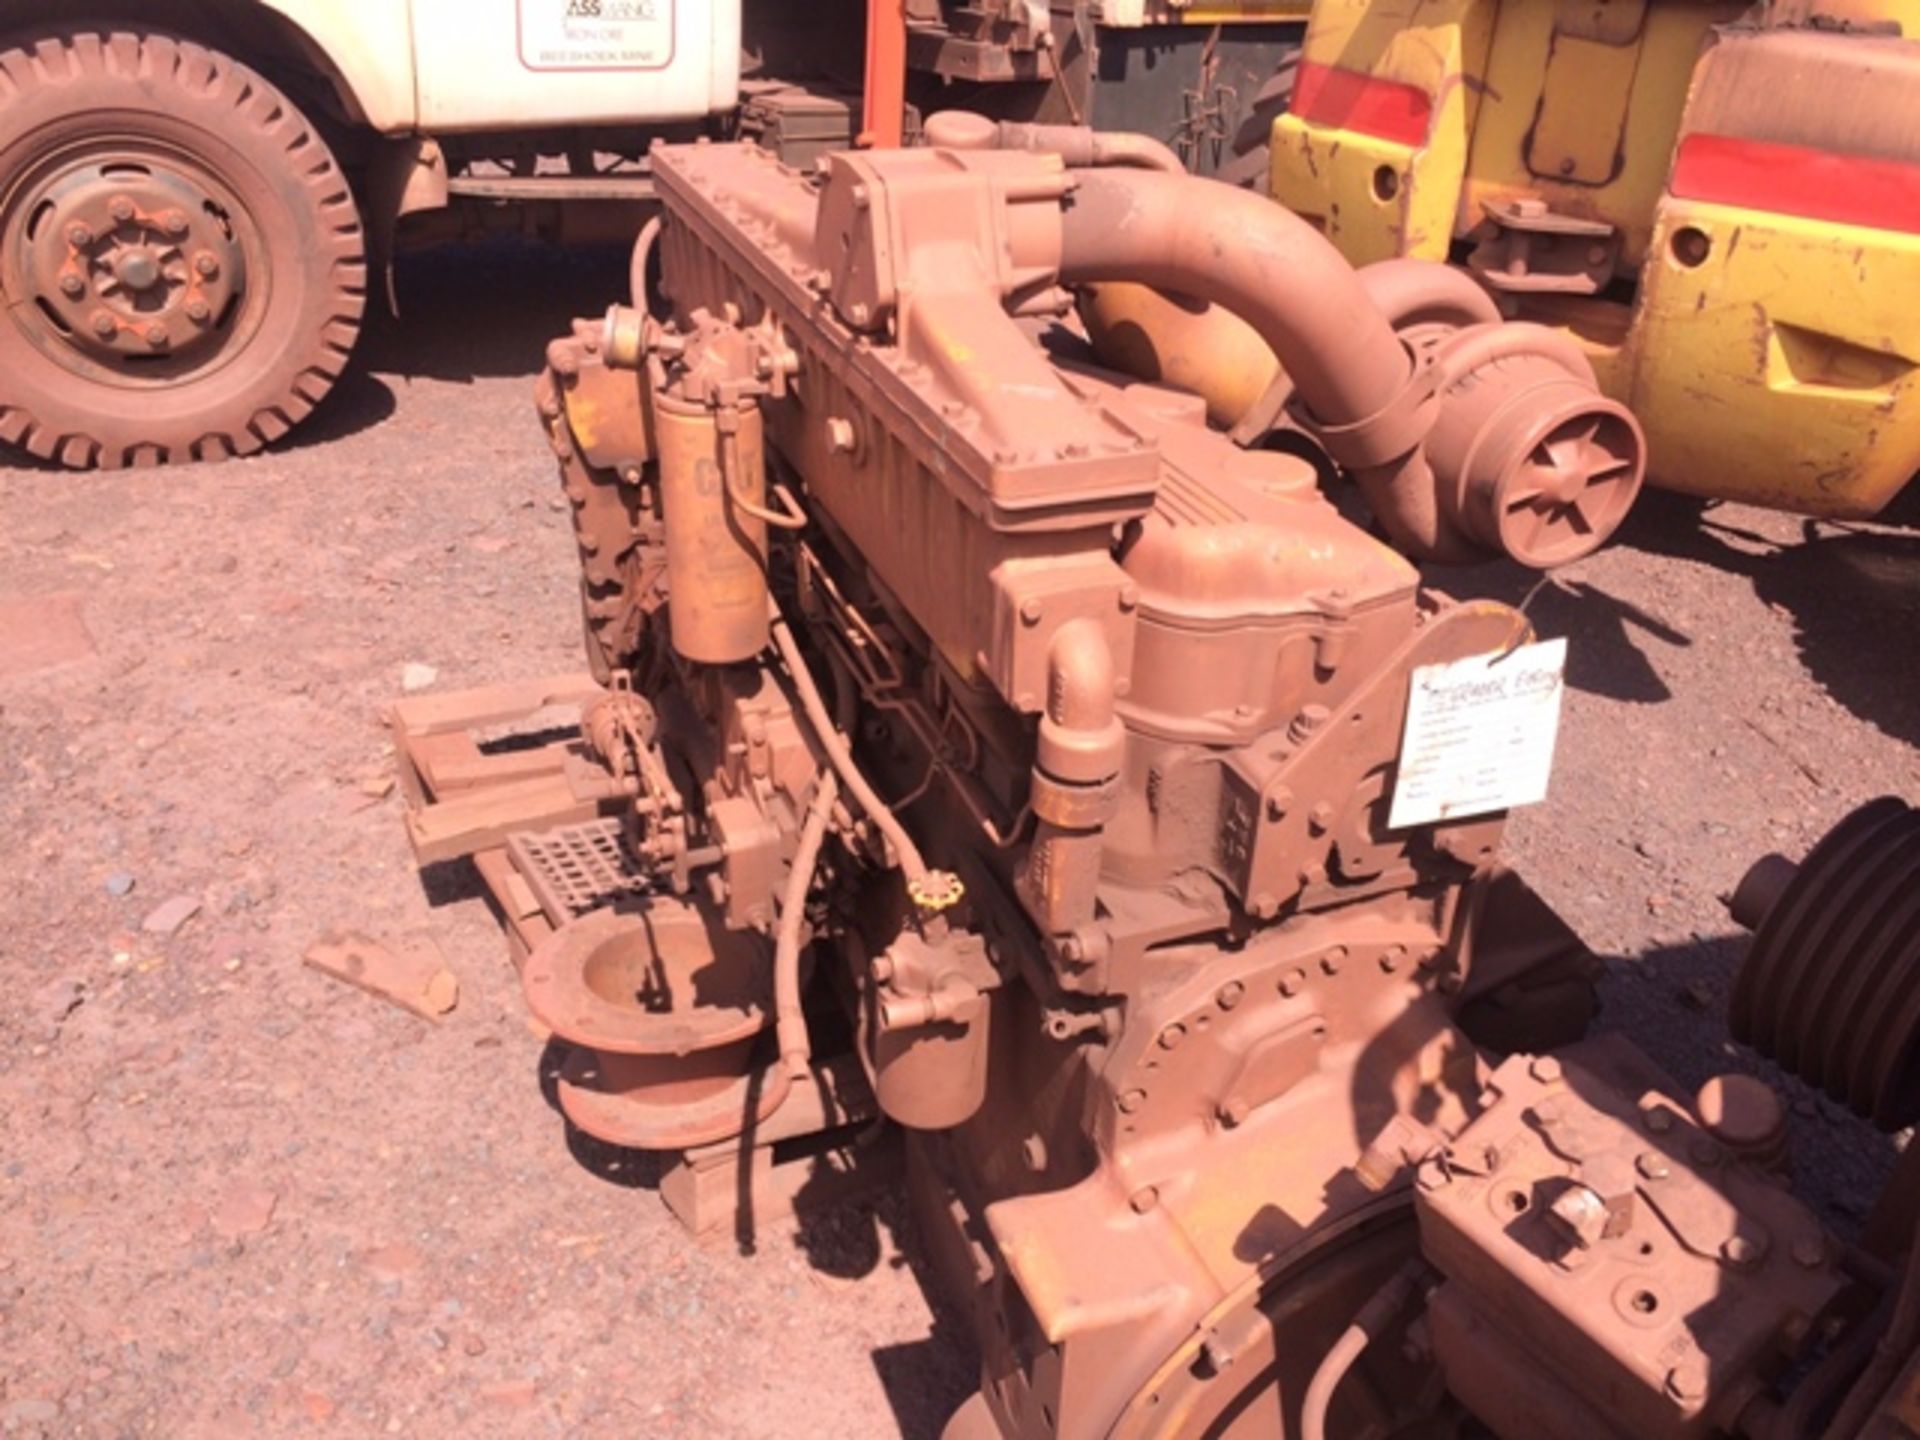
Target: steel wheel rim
pixel 131 263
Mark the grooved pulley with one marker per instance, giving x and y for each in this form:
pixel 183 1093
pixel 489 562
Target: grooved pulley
pixel 1830 988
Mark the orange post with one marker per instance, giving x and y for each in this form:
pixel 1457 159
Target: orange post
pixel 886 92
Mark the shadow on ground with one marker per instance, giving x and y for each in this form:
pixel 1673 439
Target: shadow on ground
pixel 482 310
pixel 1852 593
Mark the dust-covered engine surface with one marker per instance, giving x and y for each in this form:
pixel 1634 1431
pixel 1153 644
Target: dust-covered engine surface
pixel 1016 747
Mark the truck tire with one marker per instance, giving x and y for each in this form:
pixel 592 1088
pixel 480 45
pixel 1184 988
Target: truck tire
pixel 181 259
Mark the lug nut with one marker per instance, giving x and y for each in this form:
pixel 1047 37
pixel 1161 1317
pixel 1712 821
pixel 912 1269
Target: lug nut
pixel 121 208
pixel 79 235
pixel 104 325
pixel 155 336
pixel 174 223
pixel 199 311
pixel 72 286
pixel 206 264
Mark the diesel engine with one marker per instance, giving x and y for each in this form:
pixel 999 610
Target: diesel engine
pixel 1008 727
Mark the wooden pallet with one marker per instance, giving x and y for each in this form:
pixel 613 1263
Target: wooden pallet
pixel 504 809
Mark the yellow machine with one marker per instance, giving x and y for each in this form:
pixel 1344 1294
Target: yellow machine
pixel 1719 203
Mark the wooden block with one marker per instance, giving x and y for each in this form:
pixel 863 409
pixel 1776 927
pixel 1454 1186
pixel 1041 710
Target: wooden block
pixel 411 974
pixel 490 704
pixel 479 819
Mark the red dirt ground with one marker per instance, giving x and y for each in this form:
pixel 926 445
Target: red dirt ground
pixel 240 1198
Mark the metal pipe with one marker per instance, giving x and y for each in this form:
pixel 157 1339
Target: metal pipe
pixel 642 257
pixel 841 756
pixel 1077 146
pixel 790 1028
pixel 1284 278
pixel 1364 1330
pixel 1082 148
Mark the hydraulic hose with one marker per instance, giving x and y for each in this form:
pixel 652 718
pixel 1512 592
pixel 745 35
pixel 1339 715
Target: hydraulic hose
pixel 1364 1330
pixel 921 881
pixel 790 1027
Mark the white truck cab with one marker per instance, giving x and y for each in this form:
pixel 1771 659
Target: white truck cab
pixel 196 194
pixel 189 192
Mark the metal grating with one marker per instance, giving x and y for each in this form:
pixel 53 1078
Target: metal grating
pixel 576 868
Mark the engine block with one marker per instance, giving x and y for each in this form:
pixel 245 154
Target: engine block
pixel 983 711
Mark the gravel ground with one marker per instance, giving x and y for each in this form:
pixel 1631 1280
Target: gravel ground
pixel 237 1197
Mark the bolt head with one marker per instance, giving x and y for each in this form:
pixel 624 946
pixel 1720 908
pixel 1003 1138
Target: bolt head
pixel 1131 1100
pixel 174 223
pixel 1230 994
pixel 199 311
pixel 72 286
pixel 206 264
pixel 121 208
pixel 156 337
pixel 1652 1165
pixel 1545 1069
pixel 79 235
pixel 104 325
pixel 1742 1252
pixel 1809 1251
pixel 1291 982
pixel 1143 1199
pixel 1031 610
pixel 1687 1381
pixel 1658 1118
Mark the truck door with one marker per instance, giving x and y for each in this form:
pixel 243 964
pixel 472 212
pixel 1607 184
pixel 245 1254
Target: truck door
pixel 512 64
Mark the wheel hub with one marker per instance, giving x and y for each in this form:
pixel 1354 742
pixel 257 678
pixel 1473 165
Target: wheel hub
pixel 129 263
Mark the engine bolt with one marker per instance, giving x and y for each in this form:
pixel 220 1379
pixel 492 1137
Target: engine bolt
pixel 1310 719
pixel 121 208
pixel 1143 1199
pixel 104 325
pixel 1687 1381
pixel 72 286
pixel 207 265
pixel 1652 1165
pixel 199 311
pixel 79 235
pixel 1545 1069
